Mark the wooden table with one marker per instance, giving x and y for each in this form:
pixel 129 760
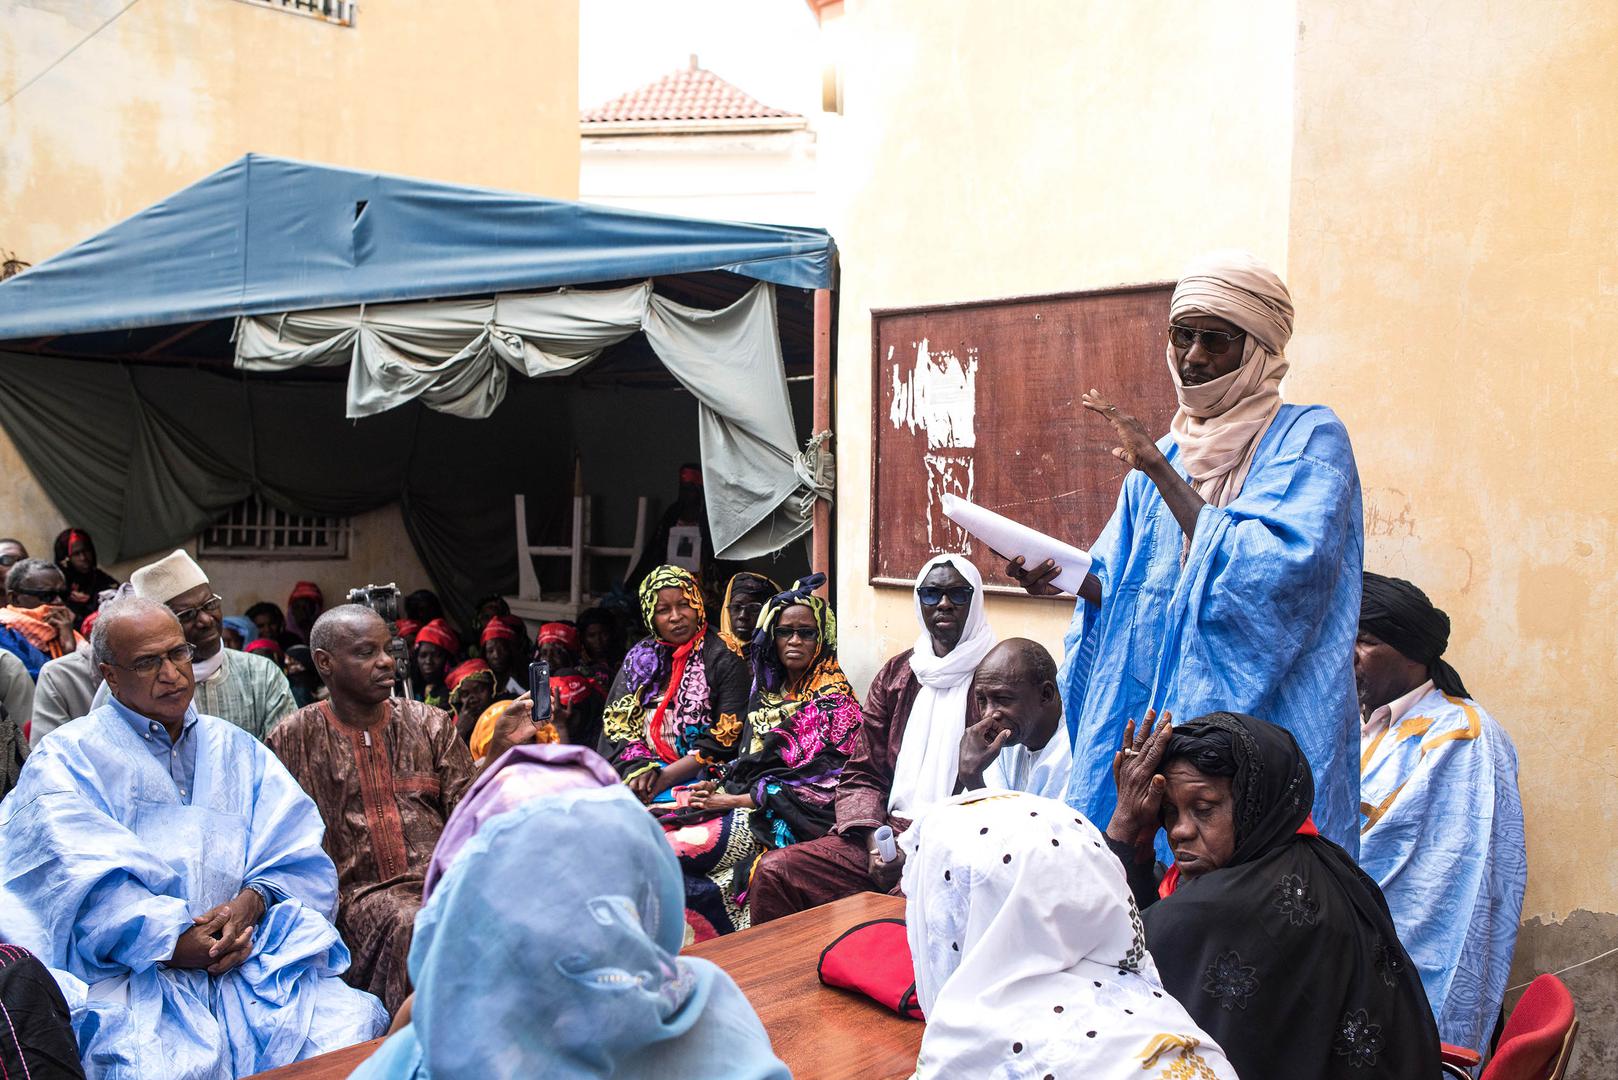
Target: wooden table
pixel 821 1033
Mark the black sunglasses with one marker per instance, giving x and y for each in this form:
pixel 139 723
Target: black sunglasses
pixel 802 633
pixel 1214 342
pixel 932 595
pixel 42 594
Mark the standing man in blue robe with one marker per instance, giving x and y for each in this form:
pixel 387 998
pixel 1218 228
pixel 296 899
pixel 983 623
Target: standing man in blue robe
pixel 168 870
pixel 1229 575
pixel 1441 817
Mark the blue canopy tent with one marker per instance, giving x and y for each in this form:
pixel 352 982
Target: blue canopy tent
pixel 129 340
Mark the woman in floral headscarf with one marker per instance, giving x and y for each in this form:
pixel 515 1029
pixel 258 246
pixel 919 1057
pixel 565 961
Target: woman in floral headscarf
pixel 675 710
pixel 802 721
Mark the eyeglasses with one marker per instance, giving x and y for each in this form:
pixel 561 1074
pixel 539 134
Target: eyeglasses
pixel 180 655
pixel 802 633
pixel 42 594
pixel 213 606
pixel 10 560
pixel 1214 342
pixel 932 595
pixel 745 608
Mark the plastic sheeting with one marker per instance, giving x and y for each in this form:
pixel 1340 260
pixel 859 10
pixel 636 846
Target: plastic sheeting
pixel 456 356
pixel 268 234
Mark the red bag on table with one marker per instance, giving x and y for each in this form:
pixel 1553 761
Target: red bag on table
pixel 873 959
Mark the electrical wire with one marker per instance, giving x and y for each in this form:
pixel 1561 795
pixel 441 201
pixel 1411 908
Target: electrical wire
pixel 52 65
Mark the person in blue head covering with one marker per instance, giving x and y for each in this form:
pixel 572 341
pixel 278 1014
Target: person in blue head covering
pixel 584 983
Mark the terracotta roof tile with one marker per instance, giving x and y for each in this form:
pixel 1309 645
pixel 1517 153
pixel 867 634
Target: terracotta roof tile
pixel 692 93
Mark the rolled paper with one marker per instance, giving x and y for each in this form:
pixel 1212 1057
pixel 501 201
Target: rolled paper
pixel 1012 538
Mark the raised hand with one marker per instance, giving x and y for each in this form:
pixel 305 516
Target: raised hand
pixel 980 745
pixel 1136 446
pixel 1140 785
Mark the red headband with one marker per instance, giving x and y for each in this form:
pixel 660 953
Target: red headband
pixel 569 688
pixel 560 633
pixel 690 474
pixel 438 633
pixel 263 644
pixel 499 627
pixel 406 627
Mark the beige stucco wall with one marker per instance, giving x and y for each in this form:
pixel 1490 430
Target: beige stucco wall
pixel 1048 147
pixel 1455 203
pixel 1439 183
pixel 476 92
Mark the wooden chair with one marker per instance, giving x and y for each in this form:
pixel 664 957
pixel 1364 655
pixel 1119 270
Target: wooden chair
pixel 1537 1041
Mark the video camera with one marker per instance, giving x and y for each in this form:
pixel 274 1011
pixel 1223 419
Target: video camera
pixel 385 600
pixel 388 602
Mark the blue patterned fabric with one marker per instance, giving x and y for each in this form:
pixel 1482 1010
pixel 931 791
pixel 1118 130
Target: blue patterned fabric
pixel 1261 619
pixel 103 866
pixel 1443 836
pixel 581 978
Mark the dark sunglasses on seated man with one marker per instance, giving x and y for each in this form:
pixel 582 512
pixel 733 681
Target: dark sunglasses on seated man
pixel 45 595
pixel 932 595
pixel 1214 342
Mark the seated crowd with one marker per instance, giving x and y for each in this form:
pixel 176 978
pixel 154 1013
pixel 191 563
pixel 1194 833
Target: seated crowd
pixel 232 842
pixel 219 865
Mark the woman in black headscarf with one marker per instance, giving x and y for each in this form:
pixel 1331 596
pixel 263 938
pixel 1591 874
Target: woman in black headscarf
pixel 1269 934
pixel 76 556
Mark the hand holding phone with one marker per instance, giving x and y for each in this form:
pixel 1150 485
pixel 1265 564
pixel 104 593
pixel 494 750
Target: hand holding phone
pixel 539 689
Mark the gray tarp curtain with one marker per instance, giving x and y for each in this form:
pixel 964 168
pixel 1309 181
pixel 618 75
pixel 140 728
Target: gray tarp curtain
pixel 145 457
pixel 456 357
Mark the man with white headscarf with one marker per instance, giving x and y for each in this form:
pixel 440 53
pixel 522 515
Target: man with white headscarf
pixel 916 713
pixel 1229 575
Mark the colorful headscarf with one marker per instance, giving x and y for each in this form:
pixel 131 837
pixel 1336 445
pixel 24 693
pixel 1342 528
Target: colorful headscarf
pixel 560 633
pixel 483 732
pixel 657 669
pixel 438 633
pixel 727 632
pixel 800 735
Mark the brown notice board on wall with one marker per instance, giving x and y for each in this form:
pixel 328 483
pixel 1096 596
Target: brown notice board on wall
pixel 984 400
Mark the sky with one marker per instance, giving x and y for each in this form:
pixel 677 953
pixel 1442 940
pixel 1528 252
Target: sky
pixel 769 48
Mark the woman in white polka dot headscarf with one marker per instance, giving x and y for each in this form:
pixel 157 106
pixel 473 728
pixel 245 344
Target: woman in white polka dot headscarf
pixel 1030 959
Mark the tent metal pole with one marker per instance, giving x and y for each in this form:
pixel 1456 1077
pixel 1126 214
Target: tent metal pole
pixel 820 546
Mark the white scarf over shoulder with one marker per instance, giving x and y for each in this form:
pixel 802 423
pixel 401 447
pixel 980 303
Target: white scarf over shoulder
pixel 930 752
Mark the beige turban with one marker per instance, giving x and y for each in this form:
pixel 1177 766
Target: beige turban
pixel 168 577
pixel 1219 424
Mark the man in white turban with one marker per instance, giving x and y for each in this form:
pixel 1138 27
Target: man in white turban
pixel 1229 575
pixel 245 688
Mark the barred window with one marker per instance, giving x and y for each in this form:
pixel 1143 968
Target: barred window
pixel 254 529
pixel 341 12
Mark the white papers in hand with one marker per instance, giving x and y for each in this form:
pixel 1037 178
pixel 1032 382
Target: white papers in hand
pixel 1012 538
